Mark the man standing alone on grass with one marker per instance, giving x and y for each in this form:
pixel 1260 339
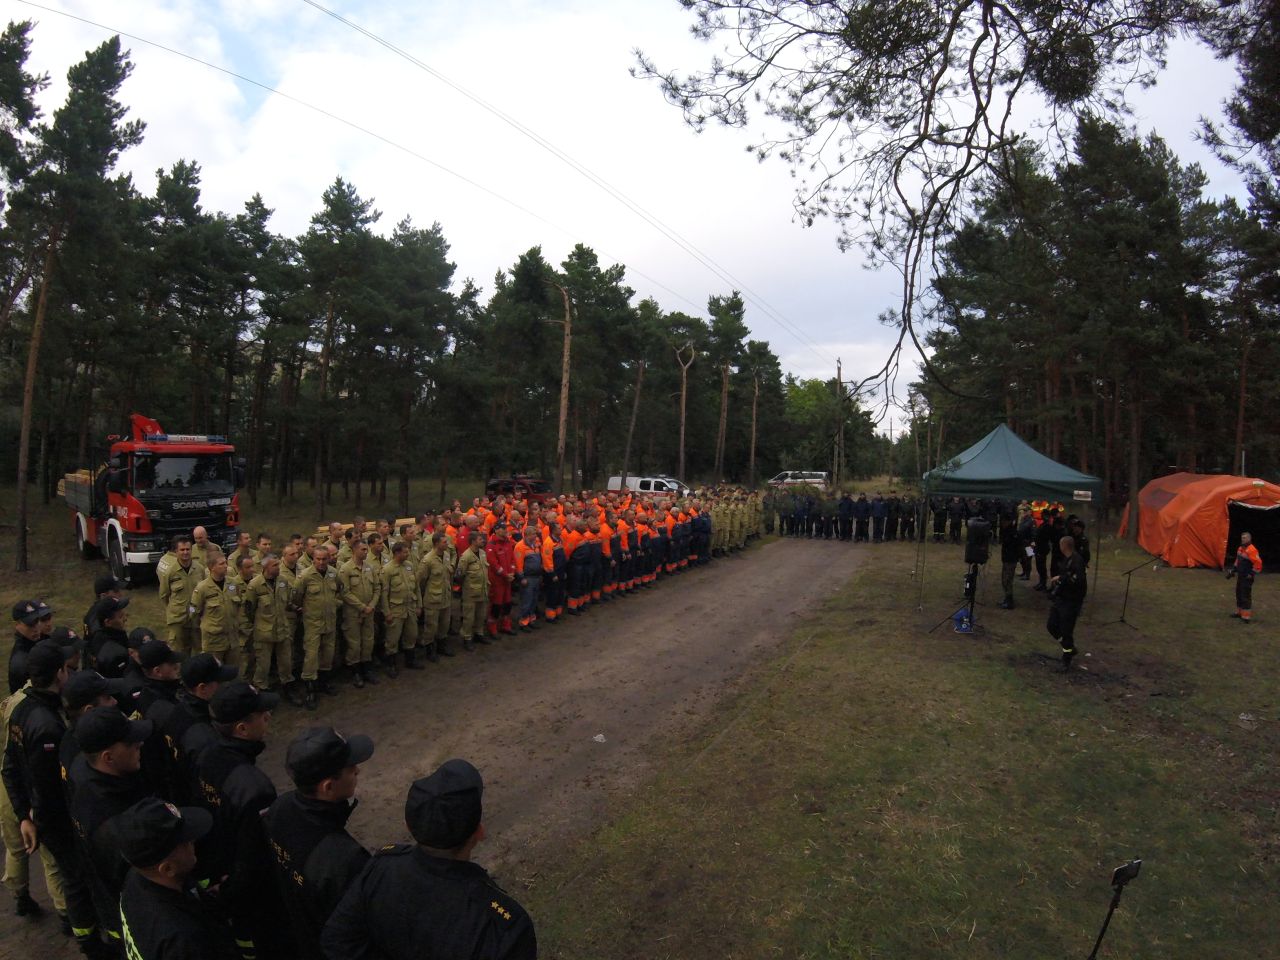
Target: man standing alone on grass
pixel 1248 565
pixel 1067 590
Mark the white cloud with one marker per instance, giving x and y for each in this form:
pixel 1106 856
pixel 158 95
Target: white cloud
pixel 559 67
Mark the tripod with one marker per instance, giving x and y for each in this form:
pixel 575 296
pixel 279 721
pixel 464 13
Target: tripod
pixel 970 596
pixel 1128 582
pixel 1119 878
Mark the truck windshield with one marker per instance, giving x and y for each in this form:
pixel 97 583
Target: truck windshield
pixel 202 473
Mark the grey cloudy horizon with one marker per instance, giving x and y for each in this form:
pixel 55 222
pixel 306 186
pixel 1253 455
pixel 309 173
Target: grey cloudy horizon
pixel 562 70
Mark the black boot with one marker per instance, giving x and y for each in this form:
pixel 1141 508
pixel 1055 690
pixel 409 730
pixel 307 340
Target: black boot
pixel 325 684
pixel 430 650
pixel 27 907
pixel 310 700
pixel 295 694
pixel 366 671
pixel 357 677
pixel 467 644
pixel 389 661
pixel 481 638
pixel 444 649
pixel 411 659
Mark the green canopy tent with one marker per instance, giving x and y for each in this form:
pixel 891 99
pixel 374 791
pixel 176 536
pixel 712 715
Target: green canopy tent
pixel 1004 466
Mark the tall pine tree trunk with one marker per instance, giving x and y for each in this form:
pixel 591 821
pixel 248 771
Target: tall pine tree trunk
pixel 631 428
pixel 724 421
pixel 1135 460
pixel 326 349
pixel 751 455
pixel 28 398
pixel 1237 464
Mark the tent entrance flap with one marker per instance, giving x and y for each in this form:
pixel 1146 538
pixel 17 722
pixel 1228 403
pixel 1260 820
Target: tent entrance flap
pixel 1263 524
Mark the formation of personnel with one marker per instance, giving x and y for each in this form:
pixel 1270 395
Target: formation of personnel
pixel 392 595
pixel 162 840
pixel 129 758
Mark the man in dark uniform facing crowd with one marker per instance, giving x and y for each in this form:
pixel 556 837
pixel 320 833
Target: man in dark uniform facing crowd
pixel 457 910
pixel 162 916
pixel 1067 589
pixel 315 858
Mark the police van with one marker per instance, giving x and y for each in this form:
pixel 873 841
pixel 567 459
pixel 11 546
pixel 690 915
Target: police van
pixel 658 484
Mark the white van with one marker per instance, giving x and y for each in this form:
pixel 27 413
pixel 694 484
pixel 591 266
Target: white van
pixel 659 484
pixel 793 478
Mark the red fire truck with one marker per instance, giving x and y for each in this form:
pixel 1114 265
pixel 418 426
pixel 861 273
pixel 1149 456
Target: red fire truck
pixel 154 485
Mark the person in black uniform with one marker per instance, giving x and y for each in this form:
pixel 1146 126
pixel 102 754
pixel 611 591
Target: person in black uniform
pixel 1043 547
pixel 183 727
pixel 1010 555
pixel 956 511
pixel 1067 589
pixel 458 911
pixel 231 787
pixel 162 916
pixel 105 587
pixel 105 785
pixel 845 512
pixel 315 858
pixel 160 668
pixel 33 777
pixel 861 517
pixel 27 615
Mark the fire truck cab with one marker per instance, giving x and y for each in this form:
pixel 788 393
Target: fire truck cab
pixel 152 487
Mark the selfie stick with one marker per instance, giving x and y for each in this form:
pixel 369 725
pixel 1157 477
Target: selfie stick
pixel 1119 878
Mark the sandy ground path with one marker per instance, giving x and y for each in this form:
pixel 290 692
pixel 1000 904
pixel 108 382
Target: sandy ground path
pixel 527 709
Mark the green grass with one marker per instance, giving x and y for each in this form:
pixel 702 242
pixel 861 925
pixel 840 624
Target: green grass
pixel 885 792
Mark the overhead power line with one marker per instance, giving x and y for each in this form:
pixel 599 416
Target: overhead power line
pixel 358 128
pixel 652 219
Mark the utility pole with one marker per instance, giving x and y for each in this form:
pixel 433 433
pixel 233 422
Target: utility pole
pixel 839 465
pixel 564 385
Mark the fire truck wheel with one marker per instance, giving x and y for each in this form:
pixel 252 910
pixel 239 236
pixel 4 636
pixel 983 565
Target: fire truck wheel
pixel 87 549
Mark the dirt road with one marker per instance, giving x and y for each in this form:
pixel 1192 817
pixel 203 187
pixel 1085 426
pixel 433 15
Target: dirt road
pixel 528 710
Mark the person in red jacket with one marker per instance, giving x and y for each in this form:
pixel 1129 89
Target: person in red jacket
pixel 502 570
pixel 1248 565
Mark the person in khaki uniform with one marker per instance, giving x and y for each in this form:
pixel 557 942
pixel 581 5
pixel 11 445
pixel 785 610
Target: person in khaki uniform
pixel 399 603
pixel 16 858
pixel 178 573
pixel 212 607
pixel 268 604
pixel 435 580
pixel 473 574
pixel 239 577
pixel 244 548
pixel 361 592
pixel 290 571
pixel 317 595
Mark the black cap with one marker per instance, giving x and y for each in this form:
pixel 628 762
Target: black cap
pixel 112 659
pixel 85 687
pixel 106 583
pixel 140 635
pixel 151 829
pixel 46 657
pixel 103 726
pixel 241 699
pixel 321 752
pixel 27 611
pixel 443 810
pixel 153 653
pixel 110 606
pixel 65 636
pixel 205 668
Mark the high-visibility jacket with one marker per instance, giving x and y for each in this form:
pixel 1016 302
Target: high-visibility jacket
pixel 1248 561
pixel 570 539
pixel 606 539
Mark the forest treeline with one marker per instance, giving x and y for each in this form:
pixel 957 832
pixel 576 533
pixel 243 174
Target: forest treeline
pixel 1113 314
pixel 352 355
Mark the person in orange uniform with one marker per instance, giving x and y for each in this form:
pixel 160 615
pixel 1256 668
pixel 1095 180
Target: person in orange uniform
pixel 528 559
pixel 571 538
pixel 554 567
pixel 609 553
pixel 1248 565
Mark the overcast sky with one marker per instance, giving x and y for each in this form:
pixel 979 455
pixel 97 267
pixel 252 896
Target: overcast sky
pixel 561 70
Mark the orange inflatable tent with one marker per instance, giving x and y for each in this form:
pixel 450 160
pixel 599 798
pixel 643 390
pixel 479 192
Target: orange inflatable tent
pixel 1195 519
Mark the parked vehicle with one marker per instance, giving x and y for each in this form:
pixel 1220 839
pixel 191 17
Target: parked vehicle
pixel 153 486
pixel 521 486
pixel 794 478
pixel 650 484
